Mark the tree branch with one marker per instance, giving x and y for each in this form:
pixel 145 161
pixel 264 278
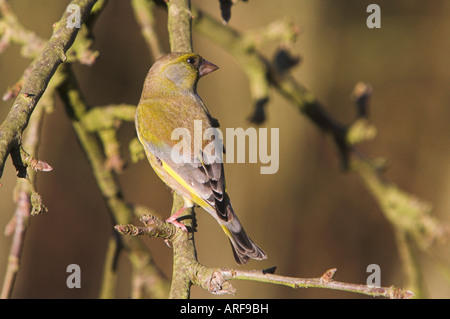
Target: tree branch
pixel 179 23
pixel 184 254
pixel 143 11
pixel 325 281
pixel 28 201
pixel 217 280
pixel 12 31
pixel 24 208
pixel 34 86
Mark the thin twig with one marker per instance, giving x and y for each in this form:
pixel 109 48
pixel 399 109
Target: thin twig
pixel 24 207
pixel 19 224
pixel 325 281
pixel 12 31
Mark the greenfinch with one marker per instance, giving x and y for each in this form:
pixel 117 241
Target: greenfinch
pixel 169 101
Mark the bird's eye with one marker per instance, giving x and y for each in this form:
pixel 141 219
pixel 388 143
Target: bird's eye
pixel 191 60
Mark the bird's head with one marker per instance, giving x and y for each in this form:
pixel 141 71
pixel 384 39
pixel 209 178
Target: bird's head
pixel 179 70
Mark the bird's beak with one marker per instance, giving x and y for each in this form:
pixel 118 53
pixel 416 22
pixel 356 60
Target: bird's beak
pixel 206 68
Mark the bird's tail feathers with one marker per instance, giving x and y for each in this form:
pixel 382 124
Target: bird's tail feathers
pixel 243 247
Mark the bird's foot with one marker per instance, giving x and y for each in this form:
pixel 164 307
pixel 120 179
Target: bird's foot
pixel 173 219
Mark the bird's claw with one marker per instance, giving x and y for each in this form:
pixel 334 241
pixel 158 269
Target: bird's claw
pixel 176 223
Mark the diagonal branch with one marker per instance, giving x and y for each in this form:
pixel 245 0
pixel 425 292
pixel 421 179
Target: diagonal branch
pixel 143 11
pixel 34 86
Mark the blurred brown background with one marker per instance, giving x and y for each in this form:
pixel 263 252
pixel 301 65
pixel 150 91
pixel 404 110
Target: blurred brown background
pixel 309 216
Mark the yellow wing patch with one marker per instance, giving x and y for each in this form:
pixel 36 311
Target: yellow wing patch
pixel 197 199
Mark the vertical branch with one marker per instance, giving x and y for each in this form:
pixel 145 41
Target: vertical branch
pixel 179 23
pixel 184 255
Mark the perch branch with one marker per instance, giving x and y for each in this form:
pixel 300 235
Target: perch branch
pixel 217 282
pixel 184 254
pixel 179 23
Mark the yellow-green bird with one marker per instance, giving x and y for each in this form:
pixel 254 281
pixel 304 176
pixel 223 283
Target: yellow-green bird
pixel 169 101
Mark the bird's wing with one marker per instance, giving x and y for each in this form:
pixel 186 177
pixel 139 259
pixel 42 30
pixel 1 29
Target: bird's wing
pixel 204 178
